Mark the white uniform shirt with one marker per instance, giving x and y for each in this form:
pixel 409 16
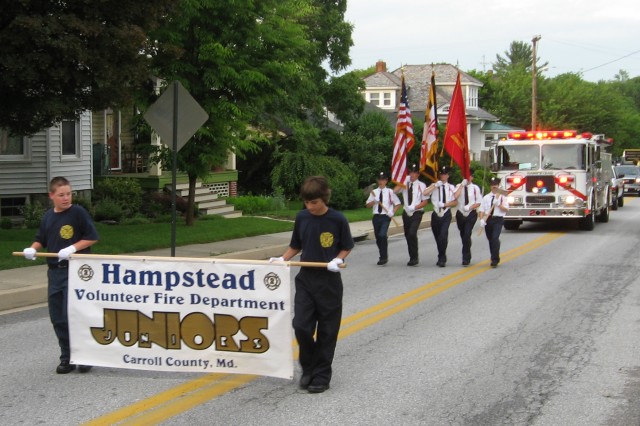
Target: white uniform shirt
pixel 437 197
pixel 487 205
pixel 417 188
pixel 475 197
pixel 389 200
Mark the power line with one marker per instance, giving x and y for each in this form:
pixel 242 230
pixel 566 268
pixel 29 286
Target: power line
pixel 610 62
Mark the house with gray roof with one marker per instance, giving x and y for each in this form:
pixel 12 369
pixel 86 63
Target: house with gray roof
pixel 383 91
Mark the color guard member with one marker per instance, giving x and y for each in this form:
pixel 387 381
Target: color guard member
pixel 492 211
pixel 469 198
pixel 385 203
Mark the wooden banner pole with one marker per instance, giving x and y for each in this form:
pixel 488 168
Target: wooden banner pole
pixel 184 259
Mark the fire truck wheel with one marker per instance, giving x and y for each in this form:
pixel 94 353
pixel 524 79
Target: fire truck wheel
pixel 588 222
pixel 512 225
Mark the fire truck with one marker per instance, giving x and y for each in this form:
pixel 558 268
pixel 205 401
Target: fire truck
pixel 554 175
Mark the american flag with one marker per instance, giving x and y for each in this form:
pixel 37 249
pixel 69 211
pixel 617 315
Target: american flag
pixel 403 140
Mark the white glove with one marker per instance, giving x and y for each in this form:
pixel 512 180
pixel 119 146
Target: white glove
pixel 409 210
pixel 441 204
pixel 390 213
pixel 29 253
pixel 466 208
pixel 483 223
pixel 438 184
pixel 334 265
pixel 464 182
pixel 66 252
pixel 276 259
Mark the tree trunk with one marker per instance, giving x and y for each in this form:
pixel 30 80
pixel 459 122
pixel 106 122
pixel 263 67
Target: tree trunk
pixel 189 216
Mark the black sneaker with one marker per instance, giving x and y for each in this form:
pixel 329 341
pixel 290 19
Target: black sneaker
pixel 494 264
pixel 84 368
pixel 382 262
pixel 412 263
pixel 304 382
pixel 65 367
pixel 318 388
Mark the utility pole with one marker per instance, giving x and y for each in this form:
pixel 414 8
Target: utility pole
pixel 534 85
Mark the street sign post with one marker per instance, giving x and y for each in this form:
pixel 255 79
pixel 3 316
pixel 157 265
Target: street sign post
pixel 175 116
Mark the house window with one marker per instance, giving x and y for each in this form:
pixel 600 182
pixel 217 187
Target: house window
pixel 70 137
pixel 374 98
pixel 387 99
pixel 12 147
pixel 488 140
pixel 12 206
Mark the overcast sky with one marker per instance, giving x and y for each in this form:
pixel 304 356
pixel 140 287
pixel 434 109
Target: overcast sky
pixel 597 38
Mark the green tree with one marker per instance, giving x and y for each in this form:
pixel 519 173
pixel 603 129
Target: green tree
pixel 255 67
pixel 59 58
pixel 519 55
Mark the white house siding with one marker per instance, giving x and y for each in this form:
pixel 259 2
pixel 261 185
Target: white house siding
pixel 28 176
pixel 77 169
pixel 32 175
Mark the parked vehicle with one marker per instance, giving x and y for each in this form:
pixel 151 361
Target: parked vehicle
pixel 617 190
pixel 631 178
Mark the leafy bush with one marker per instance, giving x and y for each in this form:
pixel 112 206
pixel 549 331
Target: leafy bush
pixel 5 223
pixel 33 214
pixel 295 167
pixel 125 192
pixel 250 204
pixel 84 202
pixel 108 209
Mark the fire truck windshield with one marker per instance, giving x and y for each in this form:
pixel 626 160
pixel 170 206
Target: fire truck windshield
pixel 518 157
pixel 563 157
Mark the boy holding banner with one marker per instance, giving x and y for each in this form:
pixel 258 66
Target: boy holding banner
pixel 66 228
pixel 322 234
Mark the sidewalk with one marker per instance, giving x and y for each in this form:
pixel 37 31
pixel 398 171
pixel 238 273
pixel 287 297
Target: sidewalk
pixel 27 286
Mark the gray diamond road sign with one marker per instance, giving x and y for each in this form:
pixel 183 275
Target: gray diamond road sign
pixel 176 105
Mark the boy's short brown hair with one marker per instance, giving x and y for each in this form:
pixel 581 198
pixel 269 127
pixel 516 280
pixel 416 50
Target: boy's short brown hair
pixel 315 187
pixel 57 182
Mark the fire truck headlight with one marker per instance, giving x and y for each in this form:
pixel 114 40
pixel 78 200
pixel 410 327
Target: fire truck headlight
pixel 637 180
pixel 568 199
pixel 513 200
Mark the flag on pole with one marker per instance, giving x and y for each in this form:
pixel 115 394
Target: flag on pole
pixel 403 140
pixel 455 137
pixel 429 147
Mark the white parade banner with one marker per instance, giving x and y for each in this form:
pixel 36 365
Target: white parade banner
pixel 181 315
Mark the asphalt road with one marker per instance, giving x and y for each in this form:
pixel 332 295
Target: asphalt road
pixel 550 337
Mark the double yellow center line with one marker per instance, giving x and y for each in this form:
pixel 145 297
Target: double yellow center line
pixel 181 398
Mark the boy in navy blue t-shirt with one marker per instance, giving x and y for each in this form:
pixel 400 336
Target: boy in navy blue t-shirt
pixel 66 229
pixel 323 235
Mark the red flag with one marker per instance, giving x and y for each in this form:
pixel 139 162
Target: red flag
pixel 403 140
pixel 456 142
pixel 429 147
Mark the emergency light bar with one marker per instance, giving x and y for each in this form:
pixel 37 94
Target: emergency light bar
pixel 539 135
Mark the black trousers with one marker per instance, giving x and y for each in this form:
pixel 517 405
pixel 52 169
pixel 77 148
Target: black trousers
pixel 381 230
pixel 58 292
pixel 465 226
pixel 317 311
pixel 411 225
pixel 492 230
pixel 440 229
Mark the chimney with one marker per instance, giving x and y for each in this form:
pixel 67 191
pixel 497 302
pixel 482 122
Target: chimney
pixel 381 66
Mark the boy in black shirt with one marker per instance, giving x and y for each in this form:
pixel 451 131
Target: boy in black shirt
pixel 323 235
pixel 66 228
